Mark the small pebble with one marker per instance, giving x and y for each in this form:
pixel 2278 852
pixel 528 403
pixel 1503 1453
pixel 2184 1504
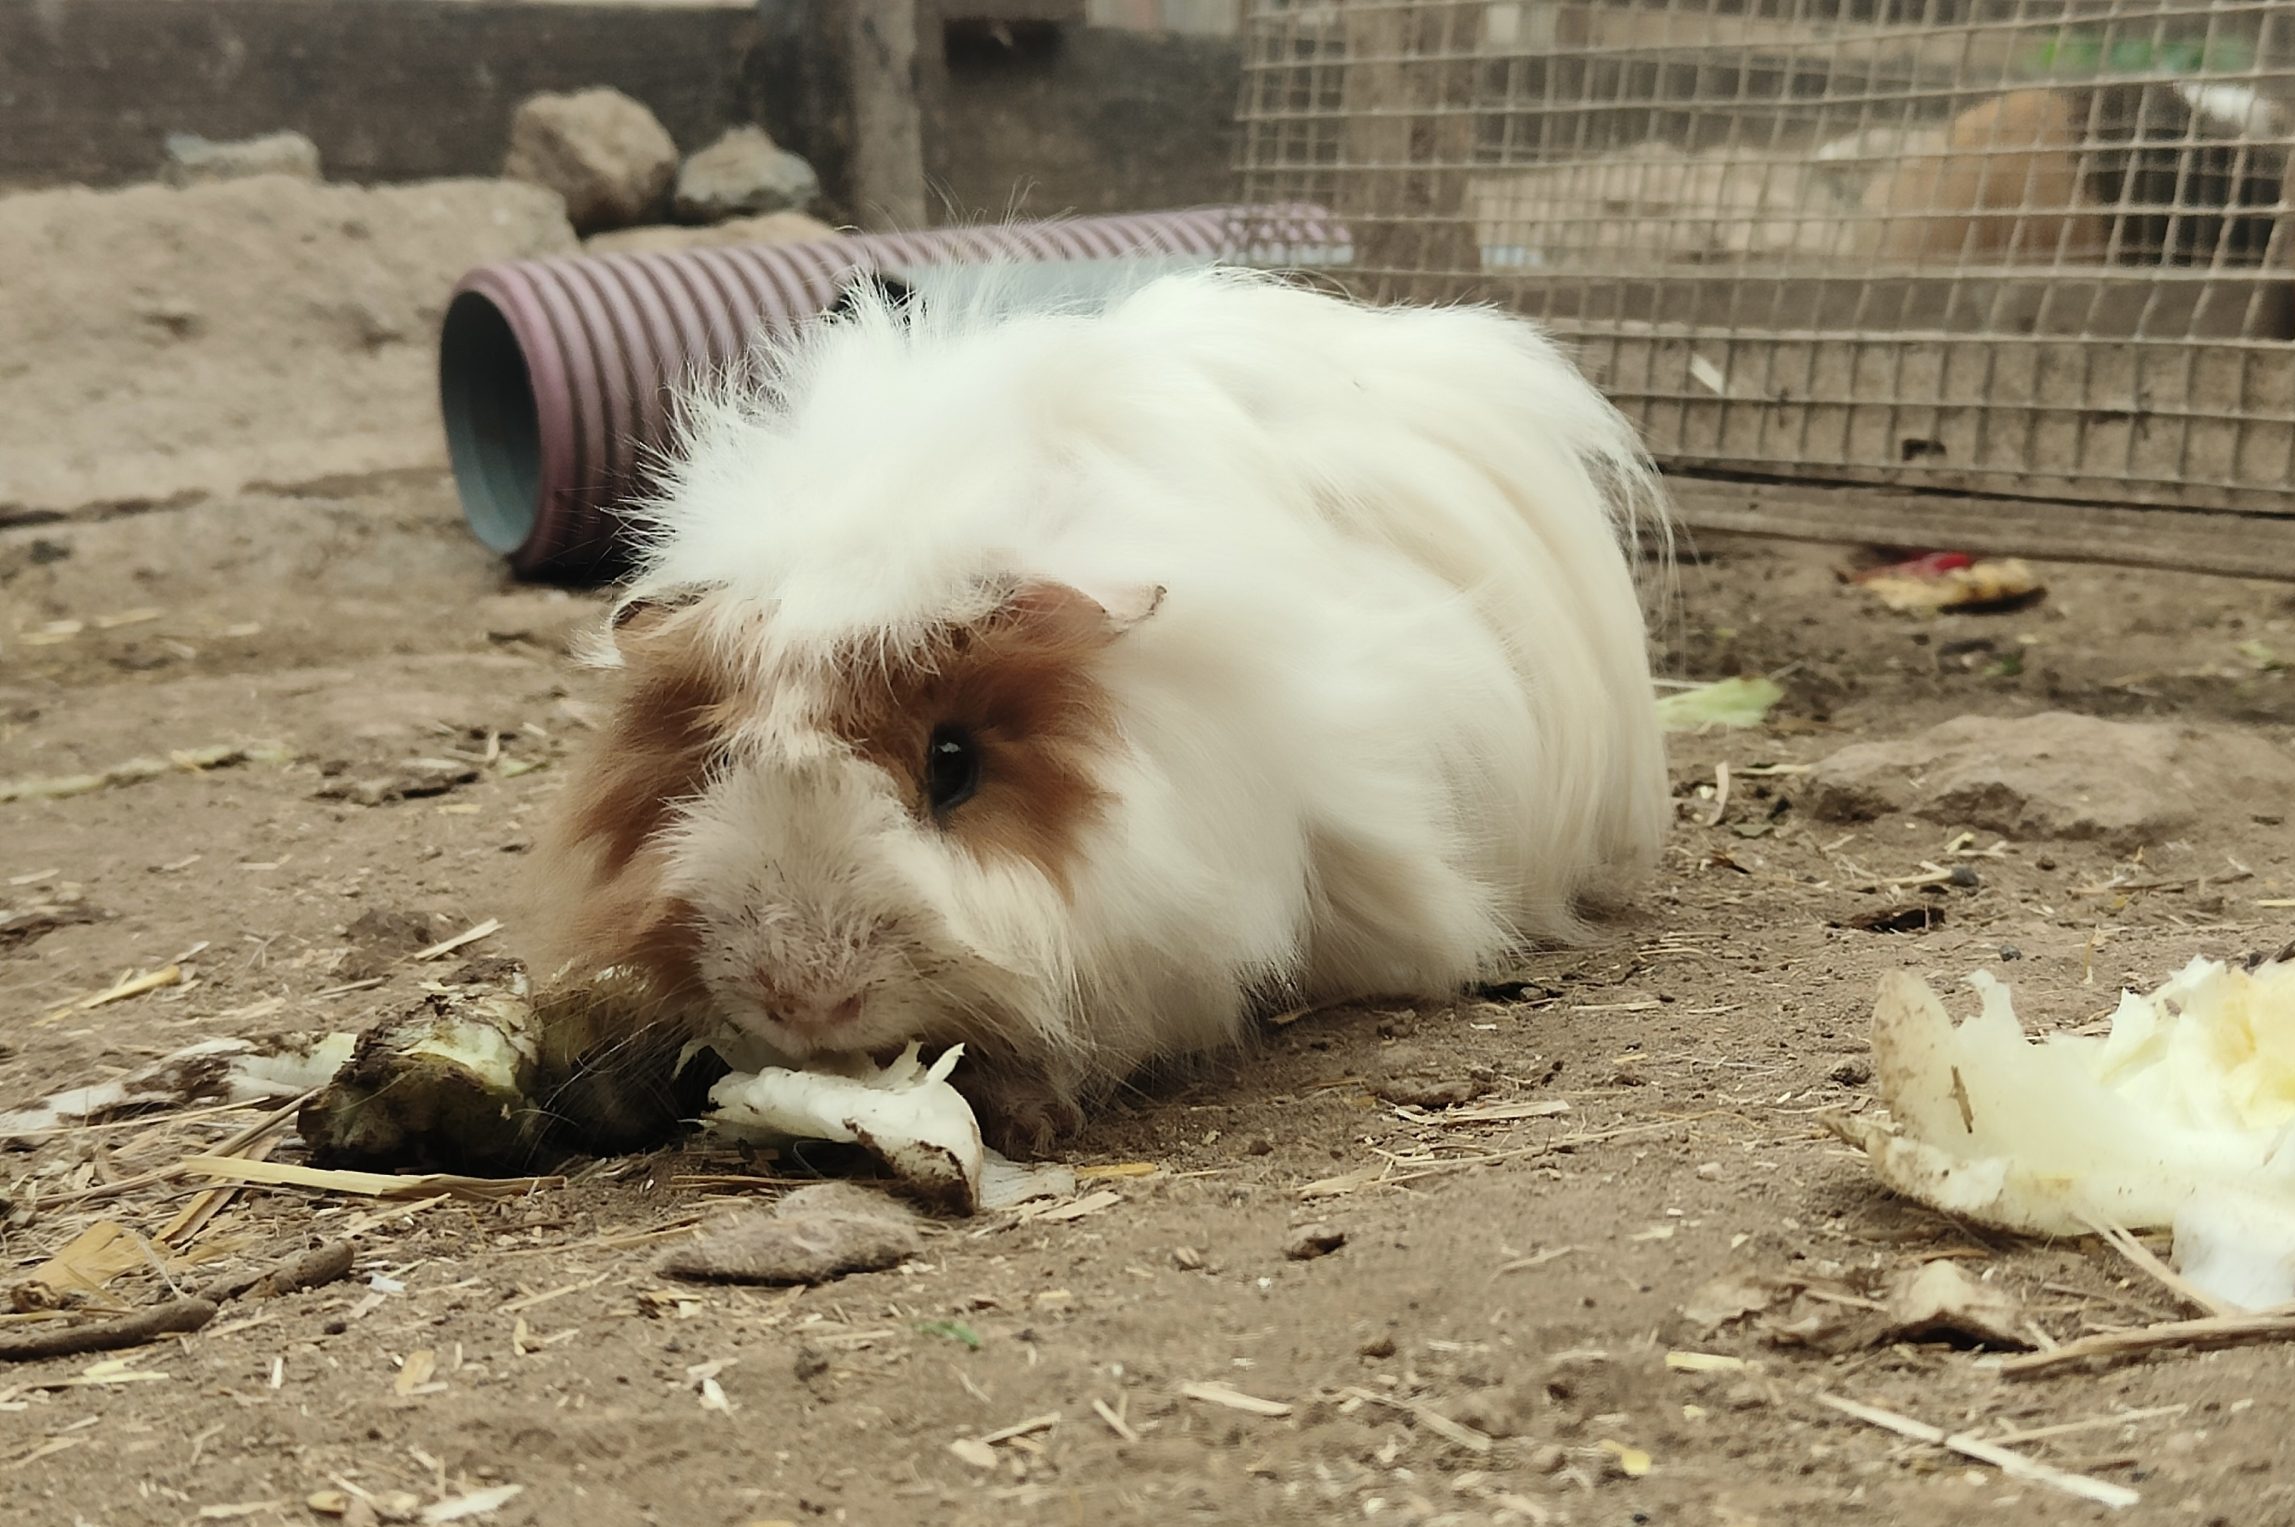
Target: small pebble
pixel 1315 1241
pixel 808 1237
pixel 973 1452
pixel 1187 1259
pixel 1378 1346
pixel 2011 952
pixel 1965 876
pixel 1851 1073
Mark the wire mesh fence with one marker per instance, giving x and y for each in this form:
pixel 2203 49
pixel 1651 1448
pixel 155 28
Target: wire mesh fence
pixel 2038 248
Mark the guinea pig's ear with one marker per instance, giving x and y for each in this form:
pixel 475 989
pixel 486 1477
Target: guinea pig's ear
pixel 1061 612
pixel 637 615
pixel 1127 607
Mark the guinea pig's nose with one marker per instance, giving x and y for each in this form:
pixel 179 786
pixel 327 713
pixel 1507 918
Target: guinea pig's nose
pixel 820 1015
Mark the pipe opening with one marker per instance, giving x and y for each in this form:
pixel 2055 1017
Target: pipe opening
pixel 493 431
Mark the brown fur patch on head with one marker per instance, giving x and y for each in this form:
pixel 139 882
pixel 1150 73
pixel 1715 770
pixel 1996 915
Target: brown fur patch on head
pixel 596 876
pixel 1021 684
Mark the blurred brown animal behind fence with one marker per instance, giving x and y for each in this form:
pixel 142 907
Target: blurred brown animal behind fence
pixel 2002 183
pixel 2137 174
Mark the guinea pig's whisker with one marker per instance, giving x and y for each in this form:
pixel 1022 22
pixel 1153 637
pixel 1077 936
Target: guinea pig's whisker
pixel 974 1009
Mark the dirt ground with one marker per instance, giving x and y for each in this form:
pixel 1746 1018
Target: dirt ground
pixel 160 345
pixel 1489 1344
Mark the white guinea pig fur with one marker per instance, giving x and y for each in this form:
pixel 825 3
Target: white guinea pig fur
pixel 1269 649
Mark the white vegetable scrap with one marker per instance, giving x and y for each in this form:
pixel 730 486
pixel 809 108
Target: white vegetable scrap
pixel 906 1113
pixel 213 1070
pixel 2182 1117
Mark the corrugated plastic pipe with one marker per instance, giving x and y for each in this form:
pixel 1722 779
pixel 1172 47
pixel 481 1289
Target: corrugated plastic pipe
pixel 557 377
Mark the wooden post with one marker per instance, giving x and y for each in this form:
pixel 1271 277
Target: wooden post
pixel 1411 81
pixel 882 43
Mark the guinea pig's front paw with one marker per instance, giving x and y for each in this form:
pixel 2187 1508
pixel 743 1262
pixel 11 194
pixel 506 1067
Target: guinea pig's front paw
pixel 1022 1113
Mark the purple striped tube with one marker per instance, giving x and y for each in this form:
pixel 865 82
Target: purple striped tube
pixel 556 376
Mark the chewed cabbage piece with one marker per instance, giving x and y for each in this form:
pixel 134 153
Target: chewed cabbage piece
pixel 2237 1247
pixel 2184 1110
pixel 444 1090
pixel 906 1114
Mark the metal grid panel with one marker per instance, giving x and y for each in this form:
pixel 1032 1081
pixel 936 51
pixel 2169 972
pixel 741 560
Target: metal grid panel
pixel 2033 247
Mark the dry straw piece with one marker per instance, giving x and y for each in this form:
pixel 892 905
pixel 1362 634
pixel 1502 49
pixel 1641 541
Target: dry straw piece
pixel 1456 1433
pixel 2208 1331
pixel 367 1184
pixel 1234 1399
pixel 2101 1491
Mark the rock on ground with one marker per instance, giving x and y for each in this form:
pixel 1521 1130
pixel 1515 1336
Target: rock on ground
pixel 604 153
pixel 772 228
pixel 742 174
pixel 810 1236
pixel 2054 775
pixel 160 344
pixel 193 160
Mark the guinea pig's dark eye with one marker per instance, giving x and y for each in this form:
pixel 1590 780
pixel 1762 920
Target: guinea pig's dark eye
pixel 951 768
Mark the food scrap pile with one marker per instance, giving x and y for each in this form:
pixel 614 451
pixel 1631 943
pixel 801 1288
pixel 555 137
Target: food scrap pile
pixel 2181 1116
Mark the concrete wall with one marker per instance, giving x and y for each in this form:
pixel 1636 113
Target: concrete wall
pixel 1209 17
pixel 388 89
pixel 1043 120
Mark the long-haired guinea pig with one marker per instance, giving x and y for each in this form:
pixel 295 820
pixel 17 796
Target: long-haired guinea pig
pixel 1076 685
